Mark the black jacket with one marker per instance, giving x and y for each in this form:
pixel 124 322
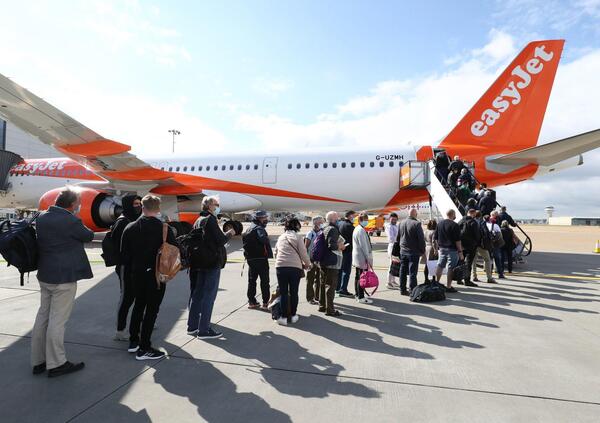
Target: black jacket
pixel 502 216
pixel 215 238
pixel 456 164
pixel 129 215
pixel 470 233
pixel 346 229
pixel 411 239
pixel 256 243
pixel 141 241
pixel 487 204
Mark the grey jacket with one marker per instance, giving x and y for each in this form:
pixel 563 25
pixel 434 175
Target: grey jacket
pixel 60 238
pixel 411 237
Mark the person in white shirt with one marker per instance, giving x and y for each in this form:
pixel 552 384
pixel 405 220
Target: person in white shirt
pixel 496 234
pixel 392 234
pixel 362 255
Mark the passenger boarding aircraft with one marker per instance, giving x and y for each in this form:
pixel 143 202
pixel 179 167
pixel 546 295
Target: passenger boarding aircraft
pixel 499 134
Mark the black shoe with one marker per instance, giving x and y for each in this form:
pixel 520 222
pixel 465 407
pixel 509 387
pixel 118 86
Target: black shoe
pixel 334 313
pixel 210 334
pixel 322 309
pixel 451 289
pixel 460 282
pixel 39 369
pixel 469 283
pixel 149 354
pixel 404 292
pixel 345 294
pixel 501 277
pixel 134 346
pixel 66 368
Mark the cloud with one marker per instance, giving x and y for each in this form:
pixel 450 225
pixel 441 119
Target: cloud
pixel 272 87
pixel 423 110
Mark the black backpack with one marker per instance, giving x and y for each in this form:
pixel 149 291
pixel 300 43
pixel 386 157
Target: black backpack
pixel 251 245
pixel 486 237
pixel 459 272
pixel 428 293
pixel 18 245
pixel 195 250
pixel 470 234
pixel 110 249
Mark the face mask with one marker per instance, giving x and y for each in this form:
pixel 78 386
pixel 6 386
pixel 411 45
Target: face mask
pixel 77 210
pixel 322 226
pixel 364 223
pixel 137 210
pixel 159 216
pixel 217 210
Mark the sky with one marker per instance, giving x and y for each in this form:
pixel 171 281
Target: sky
pixel 261 75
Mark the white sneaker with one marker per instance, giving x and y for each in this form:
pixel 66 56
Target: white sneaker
pixel 295 318
pixel 282 321
pixel 391 285
pixel 121 335
pixel 365 300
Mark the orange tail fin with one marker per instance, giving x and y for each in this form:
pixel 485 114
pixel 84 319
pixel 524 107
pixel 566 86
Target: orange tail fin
pixel 508 117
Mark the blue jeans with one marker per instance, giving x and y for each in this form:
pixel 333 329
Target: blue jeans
pixel 409 266
pixel 498 261
pixel 344 273
pixel 288 280
pixel 203 299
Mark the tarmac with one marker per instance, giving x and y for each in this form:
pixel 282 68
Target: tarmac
pixel 525 350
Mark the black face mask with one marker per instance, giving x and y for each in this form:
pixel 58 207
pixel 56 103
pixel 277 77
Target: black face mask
pixel 137 210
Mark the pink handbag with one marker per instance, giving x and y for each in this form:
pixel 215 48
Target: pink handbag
pixel 368 279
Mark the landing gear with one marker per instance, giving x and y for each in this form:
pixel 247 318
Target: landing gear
pixel 235 225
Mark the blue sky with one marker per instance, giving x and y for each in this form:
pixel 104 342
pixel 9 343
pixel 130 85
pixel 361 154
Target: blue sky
pixel 280 74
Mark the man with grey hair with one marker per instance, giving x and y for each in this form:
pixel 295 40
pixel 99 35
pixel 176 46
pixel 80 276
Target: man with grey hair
pixel 313 276
pixel 62 262
pixel 409 247
pixel 330 265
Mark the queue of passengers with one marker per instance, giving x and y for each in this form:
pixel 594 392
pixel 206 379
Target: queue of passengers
pixel 328 254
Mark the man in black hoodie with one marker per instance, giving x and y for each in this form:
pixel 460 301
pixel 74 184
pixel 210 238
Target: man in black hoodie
pixel 132 209
pixel 346 227
pixel 139 246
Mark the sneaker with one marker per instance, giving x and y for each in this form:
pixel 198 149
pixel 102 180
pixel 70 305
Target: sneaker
pixel 134 346
pixel 210 334
pixel 365 300
pixel 39 369
pixel 313 302
pixel 295 318
pixel 451 289
pixel 475 279
pixel 460 282
pixel 66 368
pixel 265 307
pixel 282 321
pixel 121 335
pixel 404 292
pixel 335 313
pixel 149 354
pixel 322 309
pixel 492 280
pixel 501 277
pixel 469 283
pixel 253 306
pixel 392 286
pixel 345 294
pixel 192 332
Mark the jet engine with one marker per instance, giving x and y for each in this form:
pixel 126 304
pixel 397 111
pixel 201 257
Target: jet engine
pixel 99 210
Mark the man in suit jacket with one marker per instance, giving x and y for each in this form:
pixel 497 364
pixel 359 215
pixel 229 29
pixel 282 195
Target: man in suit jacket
pixel 62 262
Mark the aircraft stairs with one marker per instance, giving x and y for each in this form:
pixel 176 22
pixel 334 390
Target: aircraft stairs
pixel 7 161
pixel 416 174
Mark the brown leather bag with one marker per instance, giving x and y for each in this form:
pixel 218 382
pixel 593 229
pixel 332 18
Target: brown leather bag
pixel 168 261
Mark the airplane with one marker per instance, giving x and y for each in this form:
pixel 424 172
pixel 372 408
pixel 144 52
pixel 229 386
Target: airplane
pixel 498 135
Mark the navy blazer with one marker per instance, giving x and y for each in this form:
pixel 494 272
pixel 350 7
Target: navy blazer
pixel 60 238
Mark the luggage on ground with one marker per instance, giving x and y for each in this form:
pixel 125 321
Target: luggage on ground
pixel 18 245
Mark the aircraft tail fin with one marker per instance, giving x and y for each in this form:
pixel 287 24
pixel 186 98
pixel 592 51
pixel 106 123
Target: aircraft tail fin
pixel 508 117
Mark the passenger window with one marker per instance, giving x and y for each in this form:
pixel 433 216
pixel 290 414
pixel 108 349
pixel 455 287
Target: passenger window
pixel 307 165
pixel 193 168
pixel 316 165
pixel 170 169
pixel 185 168
pixel 353 165
pixel 239 167
pixel 334 165
pixel 255 167
pixel 199 168
pixel 381 164
pixel 207 168
pixel 400 164
pixel 344 165
pixel 247 167
pixel 177 169
pixel 391 164
pixel 215 167
pixel 298 165
pixel 362 164
pixel 325 165
pixel 223 167
pixel 230 167
pixel 372 164
pixel 289 165
pixel 162 168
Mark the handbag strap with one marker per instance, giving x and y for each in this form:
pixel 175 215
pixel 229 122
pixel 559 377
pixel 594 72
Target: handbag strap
pixel 165 229
pixel 296 250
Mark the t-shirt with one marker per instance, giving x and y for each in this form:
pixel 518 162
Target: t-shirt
pixel 492 227
pixel 392 233
pixel 447 234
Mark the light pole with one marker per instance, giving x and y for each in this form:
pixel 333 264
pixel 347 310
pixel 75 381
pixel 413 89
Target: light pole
pixel 174 132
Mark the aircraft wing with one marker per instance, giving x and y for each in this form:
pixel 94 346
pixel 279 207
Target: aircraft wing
pixel 109 159
pixel 551 153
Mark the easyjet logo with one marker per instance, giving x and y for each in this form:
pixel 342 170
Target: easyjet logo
pixel 511 94
pixel 40 166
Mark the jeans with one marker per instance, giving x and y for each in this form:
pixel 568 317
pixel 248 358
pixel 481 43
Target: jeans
pixel 148 297
pixel 203 299
pixel 470 261
pixel 360 293
pixel 506 255
pixel 288 279
pixel 127 295
pixel 498 261
pixel 313 283
pixel 345 271
pixel 409 266
pixel 258 268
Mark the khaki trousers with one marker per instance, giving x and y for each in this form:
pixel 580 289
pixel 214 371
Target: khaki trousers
pixel 329 278
pixel 487 263
pixel 47 340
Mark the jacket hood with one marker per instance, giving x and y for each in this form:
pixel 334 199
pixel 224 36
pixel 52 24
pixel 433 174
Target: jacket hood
pixel 128 211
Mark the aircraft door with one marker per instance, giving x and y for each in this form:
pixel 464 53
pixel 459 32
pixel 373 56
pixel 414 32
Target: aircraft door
pixel 270 170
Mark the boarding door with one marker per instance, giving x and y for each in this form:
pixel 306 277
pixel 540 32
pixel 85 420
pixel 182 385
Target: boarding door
pixel 270 170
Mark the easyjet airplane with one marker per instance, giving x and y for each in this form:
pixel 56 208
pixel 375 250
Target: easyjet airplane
pixel 499 134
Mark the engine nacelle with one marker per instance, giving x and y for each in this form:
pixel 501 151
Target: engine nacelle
pixel 98 209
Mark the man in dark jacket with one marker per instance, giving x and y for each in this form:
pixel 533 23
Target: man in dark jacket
pixel 442 162
pixel 62 262
pixel 487 204
pixel 457 165
pixel 140 243
pixel 257 251
pixel 504 216
pixel 470 237
pixel 447 235
pixel 330 265
pixel 346 227
pixel 410 247
pixel 208 273
pixel 132 209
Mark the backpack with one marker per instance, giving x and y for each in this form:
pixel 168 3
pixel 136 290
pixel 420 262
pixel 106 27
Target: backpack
pixel 252 247
pixel 486 237
pixel 196 250
pixel 459 272
pixel 110 251
pixel 168 260
pixel 18 245
pixel 497 239
pixel 319 248
pixel 428 292
pixel 368 279
pixel 468 236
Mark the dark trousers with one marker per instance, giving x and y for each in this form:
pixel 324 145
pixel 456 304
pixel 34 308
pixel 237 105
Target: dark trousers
pixel 345 271
pixel 148 297
pixel 470 262
pixel 313 283
pixel 288 280
pixel 409 266
pixel 203 299
pixel 360 293
pixel 258 268
pixel 329 279
pixel 506 254
pixel 497 253
pixel 127 296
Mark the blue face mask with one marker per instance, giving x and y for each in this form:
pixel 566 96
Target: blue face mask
pixel 322 226
pixel 364 223
pixel 217 210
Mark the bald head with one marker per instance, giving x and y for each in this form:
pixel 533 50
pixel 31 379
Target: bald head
pixel 413 213
pixel 332 217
